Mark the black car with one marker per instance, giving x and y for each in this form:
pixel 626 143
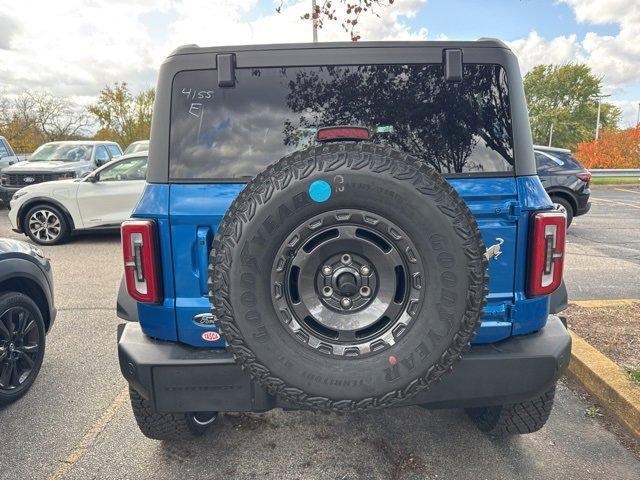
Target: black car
pixel 27 313
pixel 564 179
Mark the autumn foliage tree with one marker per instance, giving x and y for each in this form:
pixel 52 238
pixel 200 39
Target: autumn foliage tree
pixel 123 116
pixel 614 149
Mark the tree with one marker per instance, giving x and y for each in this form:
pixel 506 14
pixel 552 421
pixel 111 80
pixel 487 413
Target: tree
pixel 122 116
pixel 349 16
pixel 566 96
pixel 614 149
pixel 36 117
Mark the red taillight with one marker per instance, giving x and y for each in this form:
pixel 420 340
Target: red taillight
pixel 585 177
pixel 328 134
pixel 547 253
pixel 141 269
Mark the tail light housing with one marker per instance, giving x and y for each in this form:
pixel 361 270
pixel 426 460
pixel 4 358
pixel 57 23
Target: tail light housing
pixel 546 259
pixel 585 176
pixel 140 253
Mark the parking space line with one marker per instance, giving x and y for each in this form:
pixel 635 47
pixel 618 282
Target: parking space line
pixel 637 192
pixel 596 199
pixel 89 438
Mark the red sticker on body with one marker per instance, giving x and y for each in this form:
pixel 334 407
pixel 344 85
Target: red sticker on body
pixel 211 336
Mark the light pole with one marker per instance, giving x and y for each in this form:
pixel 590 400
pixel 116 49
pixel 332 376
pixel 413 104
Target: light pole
pixel 550 134
pixel 638 121
pixel 600 97
pixel 314 20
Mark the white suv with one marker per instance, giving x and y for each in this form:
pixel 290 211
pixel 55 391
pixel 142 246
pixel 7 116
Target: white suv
pixel 49 212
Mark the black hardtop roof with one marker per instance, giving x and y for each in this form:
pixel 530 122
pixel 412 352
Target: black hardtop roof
pixel 480 43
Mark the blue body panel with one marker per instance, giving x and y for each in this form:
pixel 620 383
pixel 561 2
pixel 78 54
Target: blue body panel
pixel 188 216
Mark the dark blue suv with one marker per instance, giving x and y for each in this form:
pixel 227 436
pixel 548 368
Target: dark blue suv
pixel 342 227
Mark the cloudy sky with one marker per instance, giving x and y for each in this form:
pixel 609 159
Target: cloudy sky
pixel 75 47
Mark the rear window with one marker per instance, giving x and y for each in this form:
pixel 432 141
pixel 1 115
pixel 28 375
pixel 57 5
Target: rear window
pixel 231 134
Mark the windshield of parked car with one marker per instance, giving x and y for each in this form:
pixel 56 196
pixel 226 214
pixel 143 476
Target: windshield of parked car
pixel 63 152
pixel 137 147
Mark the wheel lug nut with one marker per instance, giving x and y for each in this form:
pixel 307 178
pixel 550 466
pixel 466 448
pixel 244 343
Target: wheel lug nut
pixel 327 270
pixel 346 259
pixel 365 291
pixel 327 291
pixel 365 270
pixel 345 302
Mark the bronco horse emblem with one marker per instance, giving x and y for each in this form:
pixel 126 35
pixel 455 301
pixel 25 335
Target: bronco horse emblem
pixel 494 251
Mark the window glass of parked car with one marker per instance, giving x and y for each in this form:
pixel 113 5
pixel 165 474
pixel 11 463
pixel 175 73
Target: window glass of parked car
pixel 233 133
pixel 4 151
pixel 566 158
pixel 64 152
pixel 130 169
pixel 135 147
pixel 114 150
pixel 545 162
pixel 102 156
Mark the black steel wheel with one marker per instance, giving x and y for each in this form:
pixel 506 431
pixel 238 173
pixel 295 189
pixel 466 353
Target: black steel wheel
pixel 22 342
pixel 347 289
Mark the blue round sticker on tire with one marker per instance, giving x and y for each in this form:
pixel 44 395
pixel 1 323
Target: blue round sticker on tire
pixel 320 191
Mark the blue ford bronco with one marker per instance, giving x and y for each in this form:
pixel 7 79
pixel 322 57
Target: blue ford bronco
pixel 342 227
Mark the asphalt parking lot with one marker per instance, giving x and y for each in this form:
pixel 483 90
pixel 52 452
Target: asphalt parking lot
pixel 76 421
pixel 603 252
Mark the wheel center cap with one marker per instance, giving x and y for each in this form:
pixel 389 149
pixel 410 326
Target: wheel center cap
pixel 347 284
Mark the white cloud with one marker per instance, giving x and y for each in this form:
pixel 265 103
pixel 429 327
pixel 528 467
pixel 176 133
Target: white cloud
pixel 614 58
pixel 75 47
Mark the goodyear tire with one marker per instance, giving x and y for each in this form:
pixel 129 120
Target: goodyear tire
pixel 347 277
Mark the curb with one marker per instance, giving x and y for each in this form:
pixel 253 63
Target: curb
pixel 607 382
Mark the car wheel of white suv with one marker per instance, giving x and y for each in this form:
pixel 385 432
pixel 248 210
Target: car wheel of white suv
pixel 46 225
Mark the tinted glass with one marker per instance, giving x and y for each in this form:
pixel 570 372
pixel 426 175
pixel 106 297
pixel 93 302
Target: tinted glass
pixel 4 152
pixel 233 133
pixel 545 163
pixel 131 169
pixel 568 159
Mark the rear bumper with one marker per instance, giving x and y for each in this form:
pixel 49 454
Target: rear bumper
pixel 583 209
pixel 583 205
pixel 178 378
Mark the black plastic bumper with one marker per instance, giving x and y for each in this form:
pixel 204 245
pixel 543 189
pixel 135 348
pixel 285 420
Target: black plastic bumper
pixel 6 194
pixel 177 378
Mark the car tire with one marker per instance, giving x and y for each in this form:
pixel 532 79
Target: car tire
pixel 22 345
pixel 564 206
pixel 516 418
pixel 350 207
pixel 168 426
pixel 46 224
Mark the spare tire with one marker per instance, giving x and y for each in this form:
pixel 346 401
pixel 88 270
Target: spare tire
pixel 348 276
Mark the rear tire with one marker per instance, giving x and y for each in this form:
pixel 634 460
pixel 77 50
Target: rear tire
pixel 22 344
pixel 46 225
pixel 565 207
pixel 515 418
pixel 168 426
